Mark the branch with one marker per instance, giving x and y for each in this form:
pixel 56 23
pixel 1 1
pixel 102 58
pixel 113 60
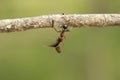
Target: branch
pixel 74 20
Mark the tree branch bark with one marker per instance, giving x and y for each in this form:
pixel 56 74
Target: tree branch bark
pixel 74 20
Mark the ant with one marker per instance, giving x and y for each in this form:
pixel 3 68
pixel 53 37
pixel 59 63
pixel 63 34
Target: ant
pixel 60 38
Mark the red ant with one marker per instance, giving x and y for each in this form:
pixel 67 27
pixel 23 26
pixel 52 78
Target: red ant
pixel 60 38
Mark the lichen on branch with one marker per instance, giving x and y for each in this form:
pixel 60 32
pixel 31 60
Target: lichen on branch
pixel 45 21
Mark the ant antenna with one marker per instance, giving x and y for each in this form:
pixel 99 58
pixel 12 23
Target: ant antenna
pixel 54 27
pixel 64 27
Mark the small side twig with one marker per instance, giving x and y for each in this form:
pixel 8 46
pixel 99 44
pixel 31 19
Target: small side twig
pixel 74 20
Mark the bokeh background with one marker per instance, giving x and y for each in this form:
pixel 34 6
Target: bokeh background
pixel 87 53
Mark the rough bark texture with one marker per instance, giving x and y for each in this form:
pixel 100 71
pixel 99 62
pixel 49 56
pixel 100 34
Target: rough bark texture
pixel 74 20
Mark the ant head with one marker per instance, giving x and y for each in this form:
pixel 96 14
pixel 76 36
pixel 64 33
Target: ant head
pixel 65 26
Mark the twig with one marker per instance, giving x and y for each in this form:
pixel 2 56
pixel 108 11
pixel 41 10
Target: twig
pixel 74 20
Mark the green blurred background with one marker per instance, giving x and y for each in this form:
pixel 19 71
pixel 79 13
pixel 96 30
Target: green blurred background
pixel 87 53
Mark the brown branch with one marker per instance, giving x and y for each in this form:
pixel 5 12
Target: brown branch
pixel 74 20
